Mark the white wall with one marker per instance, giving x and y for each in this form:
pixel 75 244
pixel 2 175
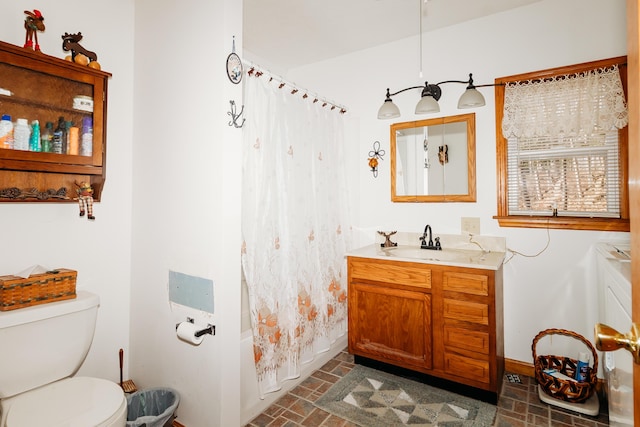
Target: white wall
pixel 52 234
pixel 186 208
pixel 174 165
pixel 555 289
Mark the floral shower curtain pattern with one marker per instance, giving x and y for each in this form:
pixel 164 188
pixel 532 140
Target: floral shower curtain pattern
pixel 294 228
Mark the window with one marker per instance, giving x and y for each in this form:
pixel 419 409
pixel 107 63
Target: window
pixel 562 148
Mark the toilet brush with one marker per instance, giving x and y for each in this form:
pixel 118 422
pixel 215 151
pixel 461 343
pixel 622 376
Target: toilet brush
pixel 128 386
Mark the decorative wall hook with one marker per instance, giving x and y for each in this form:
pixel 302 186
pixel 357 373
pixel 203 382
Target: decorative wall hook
pixel 234 116
pixel 375 155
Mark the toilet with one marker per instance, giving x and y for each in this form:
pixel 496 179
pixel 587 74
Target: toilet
pixel 42 348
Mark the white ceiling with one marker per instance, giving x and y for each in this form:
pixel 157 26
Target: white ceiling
pixel 291 33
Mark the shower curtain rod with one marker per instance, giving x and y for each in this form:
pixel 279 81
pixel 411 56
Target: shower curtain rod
pixel 257 70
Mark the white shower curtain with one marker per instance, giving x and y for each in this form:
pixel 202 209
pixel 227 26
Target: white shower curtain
pixel 294 227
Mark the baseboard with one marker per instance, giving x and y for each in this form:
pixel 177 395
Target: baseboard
pixel 518 367
pixel 177 424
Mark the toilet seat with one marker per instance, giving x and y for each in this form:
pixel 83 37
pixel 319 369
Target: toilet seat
pixel 72 402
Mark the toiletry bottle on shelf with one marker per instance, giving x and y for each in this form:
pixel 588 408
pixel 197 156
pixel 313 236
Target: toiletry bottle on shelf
pixel 6 132
pixel 21 135
pixel 65 141
pixel 34 140
pixel 582 367
pixel 58 135
pixel 46 138
pixel 86 148
pixel 74 141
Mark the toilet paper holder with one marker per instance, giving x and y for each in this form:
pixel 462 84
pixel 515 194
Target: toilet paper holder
pixel 210 329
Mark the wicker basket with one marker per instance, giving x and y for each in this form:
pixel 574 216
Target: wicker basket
pixel 17 292
pixel 567 390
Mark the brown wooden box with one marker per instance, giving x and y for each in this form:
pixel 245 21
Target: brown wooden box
pixel 56 285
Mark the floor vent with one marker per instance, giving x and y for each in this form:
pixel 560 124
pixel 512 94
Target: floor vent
pixel 514 378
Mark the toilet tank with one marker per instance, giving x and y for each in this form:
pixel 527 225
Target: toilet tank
pixel 45 343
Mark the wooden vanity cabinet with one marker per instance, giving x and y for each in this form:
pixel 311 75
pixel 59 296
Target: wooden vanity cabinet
pixel 36 86
pixel 440 320
pixel 471 322
pixel 390 312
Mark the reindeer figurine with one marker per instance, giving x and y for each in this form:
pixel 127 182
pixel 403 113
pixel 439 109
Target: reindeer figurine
pixel 33 23
pixel 80 55
pixel 387 242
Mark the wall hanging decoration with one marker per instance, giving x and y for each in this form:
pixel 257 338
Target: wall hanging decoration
pixel 234 65
pixel 443 154
pixel 234 116
pixel 33 23
pixel 375 155
pixel 425 145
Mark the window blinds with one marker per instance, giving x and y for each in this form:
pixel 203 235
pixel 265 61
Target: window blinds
pixel 569 176
pixel 562 145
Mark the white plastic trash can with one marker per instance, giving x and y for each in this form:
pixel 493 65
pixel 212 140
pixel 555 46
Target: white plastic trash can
pixel 152 407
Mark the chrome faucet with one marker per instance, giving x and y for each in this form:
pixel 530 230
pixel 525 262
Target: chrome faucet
pixel 428 244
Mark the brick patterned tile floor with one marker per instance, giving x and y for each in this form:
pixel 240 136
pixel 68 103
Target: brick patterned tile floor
pixel 518 405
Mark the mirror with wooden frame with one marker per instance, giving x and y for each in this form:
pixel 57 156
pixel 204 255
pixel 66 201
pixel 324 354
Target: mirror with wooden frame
pixel 434 160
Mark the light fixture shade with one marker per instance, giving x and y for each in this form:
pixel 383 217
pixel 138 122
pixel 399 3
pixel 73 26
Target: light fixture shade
pixel 471 98
pixel 389 110
pixel 427 105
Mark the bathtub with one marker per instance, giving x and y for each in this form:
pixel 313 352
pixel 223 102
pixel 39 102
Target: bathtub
pixel 250 403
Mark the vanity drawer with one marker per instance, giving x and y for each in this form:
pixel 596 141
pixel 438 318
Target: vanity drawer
pixel 468 283
pixel 466 311
pixel 403 273
pixel 476 341
pixel 467 367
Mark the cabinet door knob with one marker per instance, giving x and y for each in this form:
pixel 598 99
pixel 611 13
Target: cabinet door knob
pixel 608 339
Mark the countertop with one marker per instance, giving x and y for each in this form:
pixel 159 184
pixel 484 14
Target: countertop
pixel 491 260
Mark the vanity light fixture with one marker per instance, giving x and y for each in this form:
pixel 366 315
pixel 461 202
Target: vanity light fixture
pixel 431 93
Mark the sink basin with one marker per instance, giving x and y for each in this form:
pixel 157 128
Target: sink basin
pixel 445 255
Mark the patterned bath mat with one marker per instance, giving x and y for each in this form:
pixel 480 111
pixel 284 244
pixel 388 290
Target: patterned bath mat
pixel 372 398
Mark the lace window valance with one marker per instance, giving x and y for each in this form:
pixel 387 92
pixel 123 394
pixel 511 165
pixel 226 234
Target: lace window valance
pixel 571 105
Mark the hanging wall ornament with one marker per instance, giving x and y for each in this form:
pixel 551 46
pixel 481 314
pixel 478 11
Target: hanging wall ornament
pixel 425 144
pixel 234 65
pixel 375 155
pixel 443 154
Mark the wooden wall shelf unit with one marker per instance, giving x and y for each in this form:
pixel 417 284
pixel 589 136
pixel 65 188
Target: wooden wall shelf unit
pixel 438 320
pixel 44 88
